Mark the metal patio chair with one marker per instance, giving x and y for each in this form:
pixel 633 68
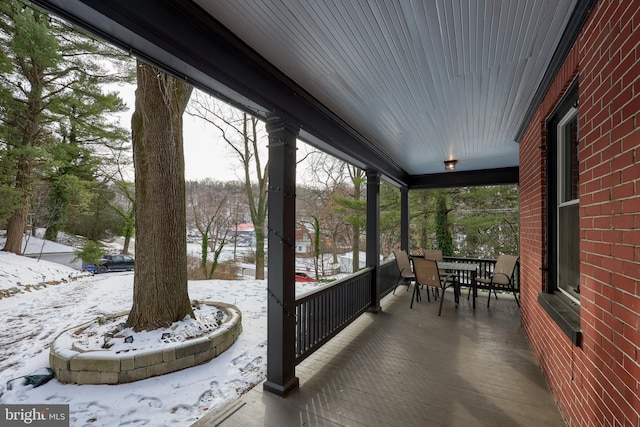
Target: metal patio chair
pixel 433 254
pixel 427 274
pixel 502 277
pixel 405 273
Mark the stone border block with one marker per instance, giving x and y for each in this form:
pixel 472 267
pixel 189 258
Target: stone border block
pixel 101 367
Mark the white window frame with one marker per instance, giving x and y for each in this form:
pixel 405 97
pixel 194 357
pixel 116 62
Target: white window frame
pixel 561 203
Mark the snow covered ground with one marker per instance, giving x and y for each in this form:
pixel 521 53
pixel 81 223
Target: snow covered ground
pixel 33 317
pixel 18 273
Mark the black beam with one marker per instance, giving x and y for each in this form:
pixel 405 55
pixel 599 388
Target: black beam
pixel 466 178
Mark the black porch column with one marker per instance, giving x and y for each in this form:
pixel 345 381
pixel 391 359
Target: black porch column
pixel 281 307
pixel 373 234
pixel 404 219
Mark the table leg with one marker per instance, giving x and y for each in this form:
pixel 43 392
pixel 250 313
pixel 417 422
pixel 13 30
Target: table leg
pixel 474 288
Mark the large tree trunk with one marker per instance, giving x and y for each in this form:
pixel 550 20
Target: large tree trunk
pixel 15 231
pixel 260 255
pixel 17 223
pixel 160 291
pixel 26 127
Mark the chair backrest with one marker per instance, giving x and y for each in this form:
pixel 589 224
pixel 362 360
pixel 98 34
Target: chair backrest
pixel 435 254
pixel 402 260
pixel 418 252
pixel 503 271
pixel 426 271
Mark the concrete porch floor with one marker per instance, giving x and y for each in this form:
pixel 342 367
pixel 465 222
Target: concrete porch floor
pixel 409 367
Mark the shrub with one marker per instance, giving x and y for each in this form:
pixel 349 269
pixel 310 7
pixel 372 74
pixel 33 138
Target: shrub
pixel 225 270
pixel 90 253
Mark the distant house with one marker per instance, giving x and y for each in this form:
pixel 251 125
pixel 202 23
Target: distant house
pixel 346 261
pixel 244 234
pixel 34 247
pixel 304 241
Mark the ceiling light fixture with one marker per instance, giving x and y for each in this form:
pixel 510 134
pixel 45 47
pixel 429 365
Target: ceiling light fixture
pixel 450 164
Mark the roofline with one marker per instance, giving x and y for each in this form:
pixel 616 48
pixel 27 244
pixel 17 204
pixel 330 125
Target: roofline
pixel 569 36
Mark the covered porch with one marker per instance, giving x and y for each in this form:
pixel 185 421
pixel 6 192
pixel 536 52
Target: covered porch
pixel 452 81
pixel 409 367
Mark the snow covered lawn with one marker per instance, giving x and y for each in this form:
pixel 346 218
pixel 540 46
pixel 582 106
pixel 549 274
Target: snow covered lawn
pixel 31 319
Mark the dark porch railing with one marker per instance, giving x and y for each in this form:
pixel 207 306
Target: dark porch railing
pixel 323 313
pixel 388 276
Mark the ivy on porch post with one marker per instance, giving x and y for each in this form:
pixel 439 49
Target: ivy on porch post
pixel 281 304
pixel 373 235
pixel 404 219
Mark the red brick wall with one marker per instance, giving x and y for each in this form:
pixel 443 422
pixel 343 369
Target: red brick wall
pixel 596 384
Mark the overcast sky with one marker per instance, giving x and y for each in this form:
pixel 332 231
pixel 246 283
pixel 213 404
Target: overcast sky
pixel 206 155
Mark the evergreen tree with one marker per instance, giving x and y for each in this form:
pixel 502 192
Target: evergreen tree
pixel 354 209
pixel 100 219
pixel 422 217
pixel 9 195
pixel 482 221
pixel 90 254
pixel 488 218
pixel 444 238
pixel 389 218
pixel 50 94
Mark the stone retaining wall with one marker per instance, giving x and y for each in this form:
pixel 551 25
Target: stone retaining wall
pixel 103 367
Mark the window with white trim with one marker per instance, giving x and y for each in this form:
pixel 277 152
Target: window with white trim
pixel 560 296
pixel 567 210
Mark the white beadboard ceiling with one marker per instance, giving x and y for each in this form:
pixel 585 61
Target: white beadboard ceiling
pixel 422 80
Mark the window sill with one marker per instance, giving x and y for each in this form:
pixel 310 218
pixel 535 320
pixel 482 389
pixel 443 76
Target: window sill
pixel 565 313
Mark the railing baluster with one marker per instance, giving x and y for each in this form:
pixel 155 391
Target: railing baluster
pixel 322 314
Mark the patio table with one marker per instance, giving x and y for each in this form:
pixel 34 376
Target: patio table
pixel 457 268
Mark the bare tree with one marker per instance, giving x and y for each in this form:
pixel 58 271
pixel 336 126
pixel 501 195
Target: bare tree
pixel 128 212
pixel 124 206
pixel 160 292
pixel 317 238
pixel 326 181
pixel 212 219
pixel 353 207
pixel 243 134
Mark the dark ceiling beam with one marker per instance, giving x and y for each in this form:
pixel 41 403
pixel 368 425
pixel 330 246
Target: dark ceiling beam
pixel 465 178
pixel 569 36
pixel 184 40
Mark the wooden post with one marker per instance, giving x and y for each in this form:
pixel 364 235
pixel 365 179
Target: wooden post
pixel 281 308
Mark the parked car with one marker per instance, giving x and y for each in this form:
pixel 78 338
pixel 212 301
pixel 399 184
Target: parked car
pixel 303 277
pixel 115 263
